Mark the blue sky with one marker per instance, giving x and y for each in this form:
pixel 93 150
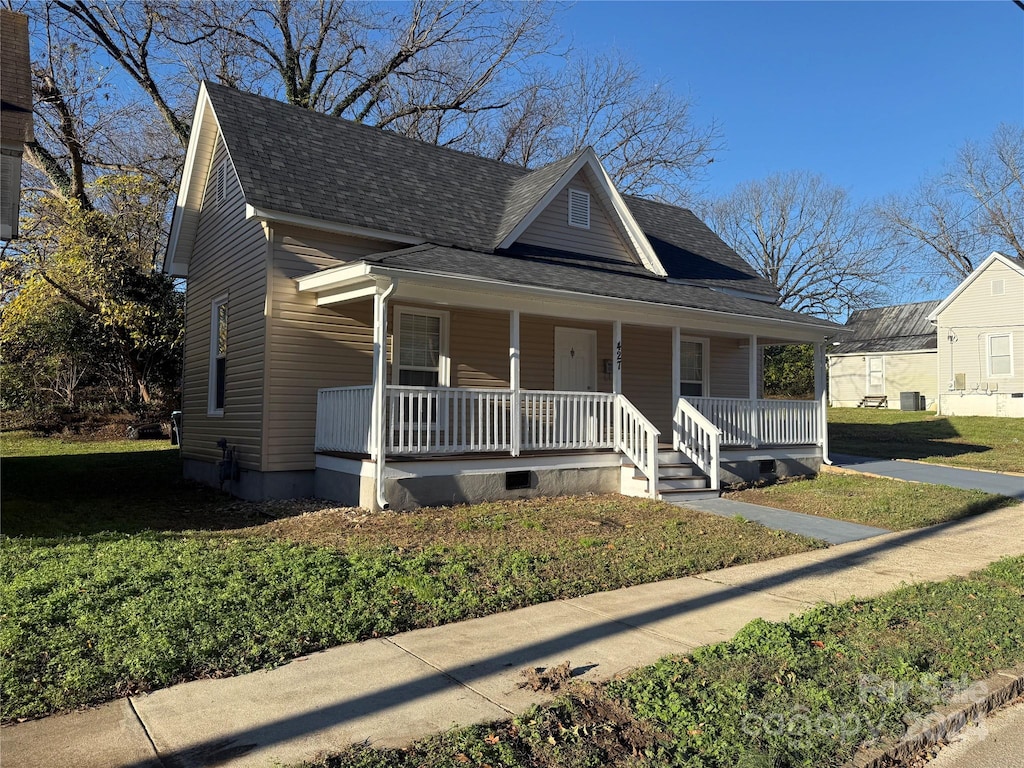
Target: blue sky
pixel 873 95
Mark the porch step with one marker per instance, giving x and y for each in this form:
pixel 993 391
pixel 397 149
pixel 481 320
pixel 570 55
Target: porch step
pixel 672 471
pixel 682 483
pixel 681 497
pixel 668 456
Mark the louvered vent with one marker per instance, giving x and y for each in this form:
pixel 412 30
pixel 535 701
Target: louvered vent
pixel 579 209
pixel 222 176
pixel 998 287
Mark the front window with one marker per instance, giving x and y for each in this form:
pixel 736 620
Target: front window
pixel 1000 354
pixel 421 354
pixel 218 356
pixel 691 368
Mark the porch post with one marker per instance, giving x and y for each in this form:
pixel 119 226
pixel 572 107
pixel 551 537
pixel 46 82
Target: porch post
pixel 617 382
pixel 379 380
pixel 755 415
pixel 821 395
pixel 514 366
pixel 677 428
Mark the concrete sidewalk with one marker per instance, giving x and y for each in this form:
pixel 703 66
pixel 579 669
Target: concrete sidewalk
pixel 922 472
pixel 824 528
pixel 391 691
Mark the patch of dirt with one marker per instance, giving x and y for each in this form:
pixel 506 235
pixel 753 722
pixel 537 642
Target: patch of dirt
pixel 547 679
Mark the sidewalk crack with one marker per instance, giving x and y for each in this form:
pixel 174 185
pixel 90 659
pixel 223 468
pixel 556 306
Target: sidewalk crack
pixel 145 730
pixel 451 677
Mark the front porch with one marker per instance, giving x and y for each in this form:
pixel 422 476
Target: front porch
pixel 513 435
pixel 503 391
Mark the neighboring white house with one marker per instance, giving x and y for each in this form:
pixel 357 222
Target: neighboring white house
pixel 887 351
pixel 980 333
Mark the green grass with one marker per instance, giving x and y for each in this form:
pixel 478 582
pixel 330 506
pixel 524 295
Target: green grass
pixel 976 442
pixel 876 501
pixel 90 615
pixel 808 692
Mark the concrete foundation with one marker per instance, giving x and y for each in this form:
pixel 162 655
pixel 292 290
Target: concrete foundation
pixel 414 492
pixel 252 485
pixel 749 470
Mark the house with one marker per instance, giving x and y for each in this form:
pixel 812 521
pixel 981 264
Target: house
pixel 887 351
pixel 15 115
pixel 980 330
pixel 384 322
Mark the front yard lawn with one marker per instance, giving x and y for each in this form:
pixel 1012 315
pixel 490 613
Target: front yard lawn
pixel 974 442
pixel 877 501
pixel 806 692
pixel 91 615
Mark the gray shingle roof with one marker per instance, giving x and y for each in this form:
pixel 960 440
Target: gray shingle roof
pixel 616 281
pixel 899 328
pixel 293 161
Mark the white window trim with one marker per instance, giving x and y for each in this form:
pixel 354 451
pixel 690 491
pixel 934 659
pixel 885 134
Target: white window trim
pixel 211 391
pixel 867 375
pixel 705 354
pixel 443 363
pixel 988 355
pixel 585 195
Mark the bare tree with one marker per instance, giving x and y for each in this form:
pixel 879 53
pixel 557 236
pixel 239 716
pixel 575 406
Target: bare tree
pixel 808 239
pixel 975 206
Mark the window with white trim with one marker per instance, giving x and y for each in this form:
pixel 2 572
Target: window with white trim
pixel 579 208
pixel 1000 354
pixel 218 356
pixel 420 353
pixel 693 361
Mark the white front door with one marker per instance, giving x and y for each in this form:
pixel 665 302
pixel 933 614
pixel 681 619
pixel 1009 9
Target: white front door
pixel 575 360
pixel 876 376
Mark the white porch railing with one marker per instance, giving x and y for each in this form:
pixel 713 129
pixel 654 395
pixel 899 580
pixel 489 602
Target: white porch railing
pixel 762 422
pixel 343 419
pixel 637 438
pixel 567 420
pixel 699 439
pixel 447 420
pixel 440 420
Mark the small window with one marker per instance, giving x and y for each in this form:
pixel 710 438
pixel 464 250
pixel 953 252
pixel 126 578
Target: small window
pixel 218 356
pixel 692 359
pixel 1000 354
pixel 420 348
pixel 998 287
pixel 579 208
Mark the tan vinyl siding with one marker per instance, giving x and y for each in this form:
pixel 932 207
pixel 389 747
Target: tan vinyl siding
pixel 479 348
pixel 311 347
pixel 972 317
pixel 902 372
pixel 551 228
pixel 647 374
pixel 729 368
pixel 537 350
pixel 227 260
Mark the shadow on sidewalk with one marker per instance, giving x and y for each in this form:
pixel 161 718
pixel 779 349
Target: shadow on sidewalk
pixel 211 752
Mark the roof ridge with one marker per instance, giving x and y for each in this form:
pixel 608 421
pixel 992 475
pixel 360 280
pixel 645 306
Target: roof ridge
pixel 364 127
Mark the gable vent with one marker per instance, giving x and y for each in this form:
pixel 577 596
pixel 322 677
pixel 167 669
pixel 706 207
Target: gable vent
pixel 998 287
pixel 579 208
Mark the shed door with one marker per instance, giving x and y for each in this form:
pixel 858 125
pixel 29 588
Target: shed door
pixel 575 360
pixel 876 376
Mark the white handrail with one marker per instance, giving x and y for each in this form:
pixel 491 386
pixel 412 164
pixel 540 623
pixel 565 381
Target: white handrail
pixel 699 439
pixel 762 422
pixel 343 419
pixel 638 441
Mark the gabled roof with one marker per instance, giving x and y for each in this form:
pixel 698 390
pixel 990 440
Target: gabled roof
pixel 899 328
pixel 1015 264
pixel 312 169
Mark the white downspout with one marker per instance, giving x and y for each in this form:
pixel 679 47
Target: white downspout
pixel 821 395
pixel 380 371
pixel 515 368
